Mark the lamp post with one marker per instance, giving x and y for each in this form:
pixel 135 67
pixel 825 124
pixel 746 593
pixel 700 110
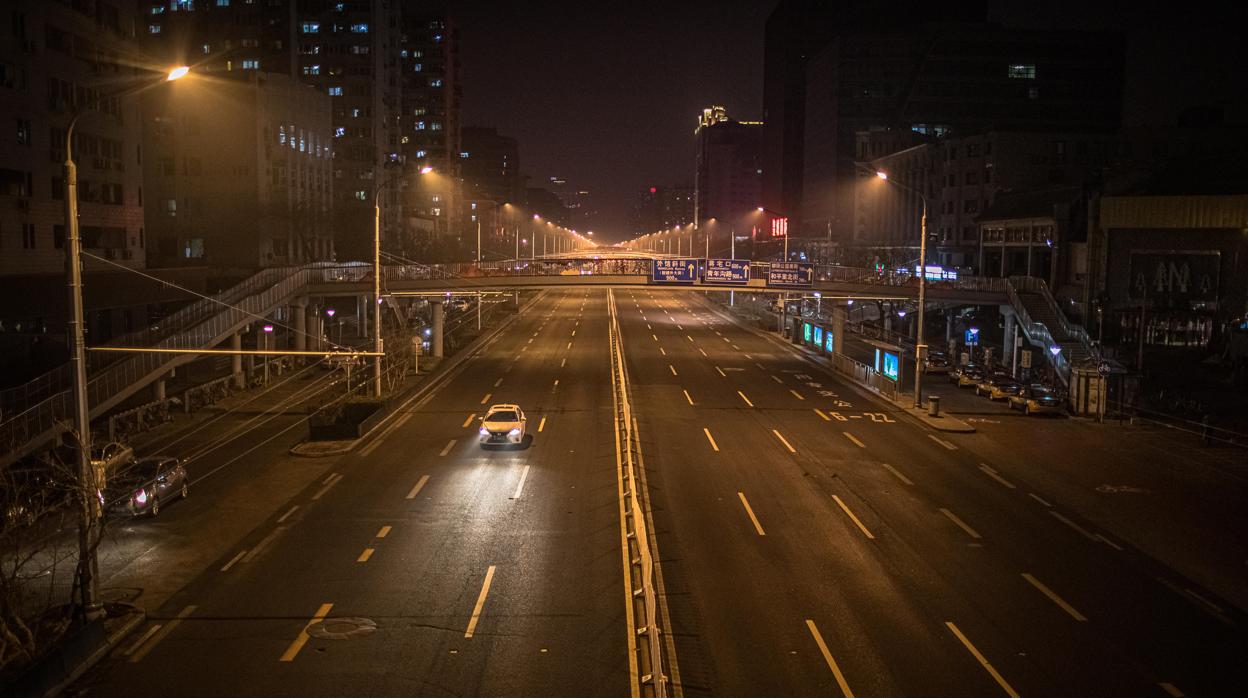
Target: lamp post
pixel 88 533
pixel 377 341
pixel 268 332
pixel 920 348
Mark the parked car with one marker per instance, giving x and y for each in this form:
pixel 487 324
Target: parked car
pixel 1037 399
pixel 502 424
pixel 141 489
pixel 459 304
pixel 989 381
pixel 967 376
pixel 1000 387
pixel 936 363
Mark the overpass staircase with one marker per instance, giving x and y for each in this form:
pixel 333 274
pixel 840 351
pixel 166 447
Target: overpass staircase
pixel 1042 322
pixel 36 413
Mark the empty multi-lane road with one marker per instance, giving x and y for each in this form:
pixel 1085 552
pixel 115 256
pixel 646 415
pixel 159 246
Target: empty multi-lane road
pixel 812 540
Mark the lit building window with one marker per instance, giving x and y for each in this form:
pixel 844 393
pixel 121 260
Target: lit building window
pixel 360 50
pixel 421 153
pixel 420 126
pixel 435 126
pixel 474 205
pixel 335 92
pixel 1024 71
pixel 311 70
pixel 158 10
pixel 474 218
pixel 153 28
pixel 359 28
pixel 223 3
pixel 464 154
pixel 340 132
pixel 251 64
pixel 311 27
pixel 436 199
pixel 435 82
pixel 361 195
pixel 436 211
pixel 281 134
pixel 417 67
pixel 356 112
pixel 207 48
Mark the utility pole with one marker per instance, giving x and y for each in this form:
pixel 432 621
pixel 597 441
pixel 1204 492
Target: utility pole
pixel 920 348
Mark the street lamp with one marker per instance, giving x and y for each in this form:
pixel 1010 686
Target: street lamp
pixel 88 562
pixel 920 348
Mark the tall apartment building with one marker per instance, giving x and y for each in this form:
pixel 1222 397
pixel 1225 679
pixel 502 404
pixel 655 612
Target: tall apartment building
pixel 946 79
pixel 430 132
pixel 490 167
pixel 244 187
pixel 58 59
pixel 796 32
pixel 728 171
pixel 349 50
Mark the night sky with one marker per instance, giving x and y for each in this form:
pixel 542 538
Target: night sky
pixel 606 94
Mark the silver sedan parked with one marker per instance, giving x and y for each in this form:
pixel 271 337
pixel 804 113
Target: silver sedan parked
pixel 145 487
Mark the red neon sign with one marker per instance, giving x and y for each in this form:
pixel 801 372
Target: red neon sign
pixel 779 227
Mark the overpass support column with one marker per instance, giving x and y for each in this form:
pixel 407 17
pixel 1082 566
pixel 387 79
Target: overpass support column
pixel 158 389
pixel 1007 343
pixel 298 313
pixel 888 316
pixel 435 308
pixel 312 324
pixel 949 331
pixel 236 361
pixel 838 330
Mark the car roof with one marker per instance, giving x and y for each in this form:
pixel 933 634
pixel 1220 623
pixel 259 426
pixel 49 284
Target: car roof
pixel 504 406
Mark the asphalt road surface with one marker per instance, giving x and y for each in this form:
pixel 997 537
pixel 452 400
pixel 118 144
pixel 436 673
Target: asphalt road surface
pixel 812 541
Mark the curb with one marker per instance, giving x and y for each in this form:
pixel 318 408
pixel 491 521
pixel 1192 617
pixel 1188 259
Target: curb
pixel 952 424
pixel 302 449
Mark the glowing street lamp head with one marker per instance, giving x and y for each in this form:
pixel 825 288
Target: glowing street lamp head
pixel 426 169
pixel 178 73
pixel 761 209
pixel 881 174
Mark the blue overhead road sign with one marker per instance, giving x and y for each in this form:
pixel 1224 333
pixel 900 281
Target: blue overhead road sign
pixel 674 271
pixel 727 271
pixel 790 274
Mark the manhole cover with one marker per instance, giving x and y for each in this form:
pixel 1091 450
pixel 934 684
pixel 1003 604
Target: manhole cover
pixel 342 628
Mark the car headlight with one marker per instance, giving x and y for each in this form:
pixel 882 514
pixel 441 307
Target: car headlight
pixel 515 431
pixel 140 497
pixel 484 432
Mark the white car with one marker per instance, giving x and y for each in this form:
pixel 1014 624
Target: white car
pixel 503 424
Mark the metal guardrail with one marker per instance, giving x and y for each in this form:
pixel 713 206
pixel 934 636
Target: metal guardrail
pixel 634 514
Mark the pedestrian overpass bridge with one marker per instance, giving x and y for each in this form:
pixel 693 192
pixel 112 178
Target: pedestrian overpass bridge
pixel 34 414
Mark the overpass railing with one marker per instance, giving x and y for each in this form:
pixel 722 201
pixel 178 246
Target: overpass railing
pixel 356 273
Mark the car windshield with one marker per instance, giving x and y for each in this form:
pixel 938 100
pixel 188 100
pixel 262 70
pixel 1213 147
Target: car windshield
pixel 503 416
